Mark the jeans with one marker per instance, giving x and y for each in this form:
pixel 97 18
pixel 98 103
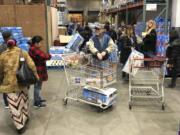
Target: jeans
pixel 37 89
pixel 5 99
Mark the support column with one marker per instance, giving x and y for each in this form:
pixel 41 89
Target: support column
pixel 175 13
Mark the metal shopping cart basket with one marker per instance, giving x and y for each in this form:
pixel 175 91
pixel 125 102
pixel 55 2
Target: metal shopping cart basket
pixel 86 77
pixel 146 81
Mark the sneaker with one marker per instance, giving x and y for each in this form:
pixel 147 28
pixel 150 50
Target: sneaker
pixel 40 105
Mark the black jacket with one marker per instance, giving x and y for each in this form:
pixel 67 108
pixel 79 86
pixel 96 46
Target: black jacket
pixel 86 34
pixel 150 42
pixel 112 34
pixel 173 54
pixel 125 49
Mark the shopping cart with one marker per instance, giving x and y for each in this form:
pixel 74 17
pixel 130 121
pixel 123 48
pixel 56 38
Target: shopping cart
pixel 88 79
pixel 146 79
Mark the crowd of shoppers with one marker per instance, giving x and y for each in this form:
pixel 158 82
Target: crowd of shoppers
pixel 100 43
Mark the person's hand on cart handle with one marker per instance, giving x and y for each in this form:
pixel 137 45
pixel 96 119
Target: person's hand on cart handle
pixel 103 54
pixel 99 55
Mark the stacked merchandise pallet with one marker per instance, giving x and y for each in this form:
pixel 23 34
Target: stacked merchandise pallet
pixel 57 52
pixel 56 57
pixel 140 27
pixel 162 36
pixel 17 34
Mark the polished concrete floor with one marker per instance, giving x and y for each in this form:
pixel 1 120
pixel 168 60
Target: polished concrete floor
pixel 146 118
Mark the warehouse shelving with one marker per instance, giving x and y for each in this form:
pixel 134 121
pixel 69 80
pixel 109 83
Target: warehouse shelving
pixel 117 9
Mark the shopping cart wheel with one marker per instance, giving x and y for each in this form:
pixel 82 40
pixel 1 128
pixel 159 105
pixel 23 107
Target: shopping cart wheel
pixel 65 100
pixel 100 110
pixel 163 106
pixel 111 107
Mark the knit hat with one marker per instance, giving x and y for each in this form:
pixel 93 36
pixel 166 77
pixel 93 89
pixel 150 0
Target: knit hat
pixel 11 42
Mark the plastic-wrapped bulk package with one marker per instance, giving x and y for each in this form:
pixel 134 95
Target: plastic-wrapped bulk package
pixel 25 40
pixel 56 52
pixel 16 32
pixel 24 46
pixel 1 39
pixel 75 42
pixel 162 36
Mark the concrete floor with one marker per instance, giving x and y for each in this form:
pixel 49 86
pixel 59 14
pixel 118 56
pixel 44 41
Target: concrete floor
pixel 81 119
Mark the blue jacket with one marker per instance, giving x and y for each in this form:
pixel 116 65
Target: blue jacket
pixel 97 43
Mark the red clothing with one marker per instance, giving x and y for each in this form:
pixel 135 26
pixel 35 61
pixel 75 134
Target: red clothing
pixel 39 57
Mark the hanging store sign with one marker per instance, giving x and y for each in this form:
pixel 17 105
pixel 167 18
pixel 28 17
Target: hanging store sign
pixel 151 7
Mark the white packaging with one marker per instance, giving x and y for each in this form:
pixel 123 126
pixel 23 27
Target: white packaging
pixel 137 63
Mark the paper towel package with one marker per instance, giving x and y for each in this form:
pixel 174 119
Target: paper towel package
pixel 75 42
pixel 106 96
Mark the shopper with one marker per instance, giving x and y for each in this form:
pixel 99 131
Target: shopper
pixel 127 41
pixel 79 28
pixel 86 34
pixel 150 38
pixel 39 57
pixel 111 32
pixel 173 54
pixel 119 38
pixel 71 27
pixel 6 36
pixel 17 95
pixel 101 45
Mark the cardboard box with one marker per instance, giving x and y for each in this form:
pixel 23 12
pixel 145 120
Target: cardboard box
pixel 65 39
pixel 62 30
pixel 105 96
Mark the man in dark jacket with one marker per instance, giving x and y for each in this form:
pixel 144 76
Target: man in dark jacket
pixel 86 34
pixel 173 53
pixel 6 36
pixel 111 32
pixel 39 57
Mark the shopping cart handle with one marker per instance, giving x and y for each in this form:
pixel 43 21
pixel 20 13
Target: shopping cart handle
pixel 152 59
